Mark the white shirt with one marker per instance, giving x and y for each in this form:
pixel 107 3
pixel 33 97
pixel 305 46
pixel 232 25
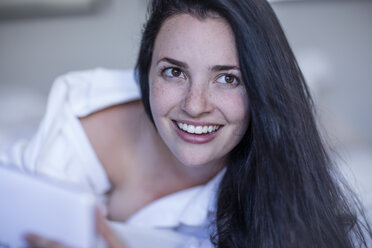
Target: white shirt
pixel 61 150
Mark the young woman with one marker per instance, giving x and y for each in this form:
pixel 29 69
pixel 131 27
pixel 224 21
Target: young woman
pixel 224 95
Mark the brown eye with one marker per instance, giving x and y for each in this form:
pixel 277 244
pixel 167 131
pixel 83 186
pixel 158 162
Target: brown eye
pixel 228 79
pixel 173 73
pixel 176 72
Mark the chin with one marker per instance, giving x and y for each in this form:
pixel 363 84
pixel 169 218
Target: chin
pixel 195 161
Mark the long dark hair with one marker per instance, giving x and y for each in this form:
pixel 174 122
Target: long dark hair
pixel 279 189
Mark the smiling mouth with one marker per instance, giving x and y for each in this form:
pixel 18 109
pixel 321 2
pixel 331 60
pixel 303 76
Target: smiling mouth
pixel 195 129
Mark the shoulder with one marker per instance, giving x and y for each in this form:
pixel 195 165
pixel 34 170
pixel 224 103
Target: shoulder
pixel 92 90
pixel 116 120
pixel 73 96
pixel 113 134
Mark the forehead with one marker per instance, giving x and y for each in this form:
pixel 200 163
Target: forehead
pixel 188 37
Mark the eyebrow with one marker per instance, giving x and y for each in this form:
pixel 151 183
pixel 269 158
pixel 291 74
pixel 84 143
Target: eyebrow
pixel 184 65
pixel 173 61
pixel 224 67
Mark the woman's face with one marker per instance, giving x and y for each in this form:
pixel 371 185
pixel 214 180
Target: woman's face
pixel 197 97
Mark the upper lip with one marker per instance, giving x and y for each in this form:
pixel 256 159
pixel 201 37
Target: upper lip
pixel 195 123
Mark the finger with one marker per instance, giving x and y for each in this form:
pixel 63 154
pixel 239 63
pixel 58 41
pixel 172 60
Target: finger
pixel 37 241
pixel 111 238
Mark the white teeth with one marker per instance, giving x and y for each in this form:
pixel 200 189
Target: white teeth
pixel 190 128
pixel 205 129
pixel 210 129
pixel 197 129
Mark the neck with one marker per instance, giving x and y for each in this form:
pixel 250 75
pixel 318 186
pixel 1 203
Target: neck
pixel 162 168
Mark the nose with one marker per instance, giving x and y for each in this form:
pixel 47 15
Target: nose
pixel 197 100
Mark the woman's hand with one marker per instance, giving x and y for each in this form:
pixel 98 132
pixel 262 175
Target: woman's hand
pixel 34 240
pixel 110 237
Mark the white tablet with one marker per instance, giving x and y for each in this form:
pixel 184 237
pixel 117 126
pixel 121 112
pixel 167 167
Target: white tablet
pixel 54 210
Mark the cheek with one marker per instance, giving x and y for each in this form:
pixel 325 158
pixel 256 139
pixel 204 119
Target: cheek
pixel 156 95
pixel 163 98
pixel 235 107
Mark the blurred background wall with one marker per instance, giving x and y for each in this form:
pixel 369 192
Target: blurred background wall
pixel 331 39
pixel 34 50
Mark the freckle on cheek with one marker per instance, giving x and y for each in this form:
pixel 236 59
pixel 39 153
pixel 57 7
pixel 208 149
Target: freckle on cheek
pixel 158 90
pixel 157 97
